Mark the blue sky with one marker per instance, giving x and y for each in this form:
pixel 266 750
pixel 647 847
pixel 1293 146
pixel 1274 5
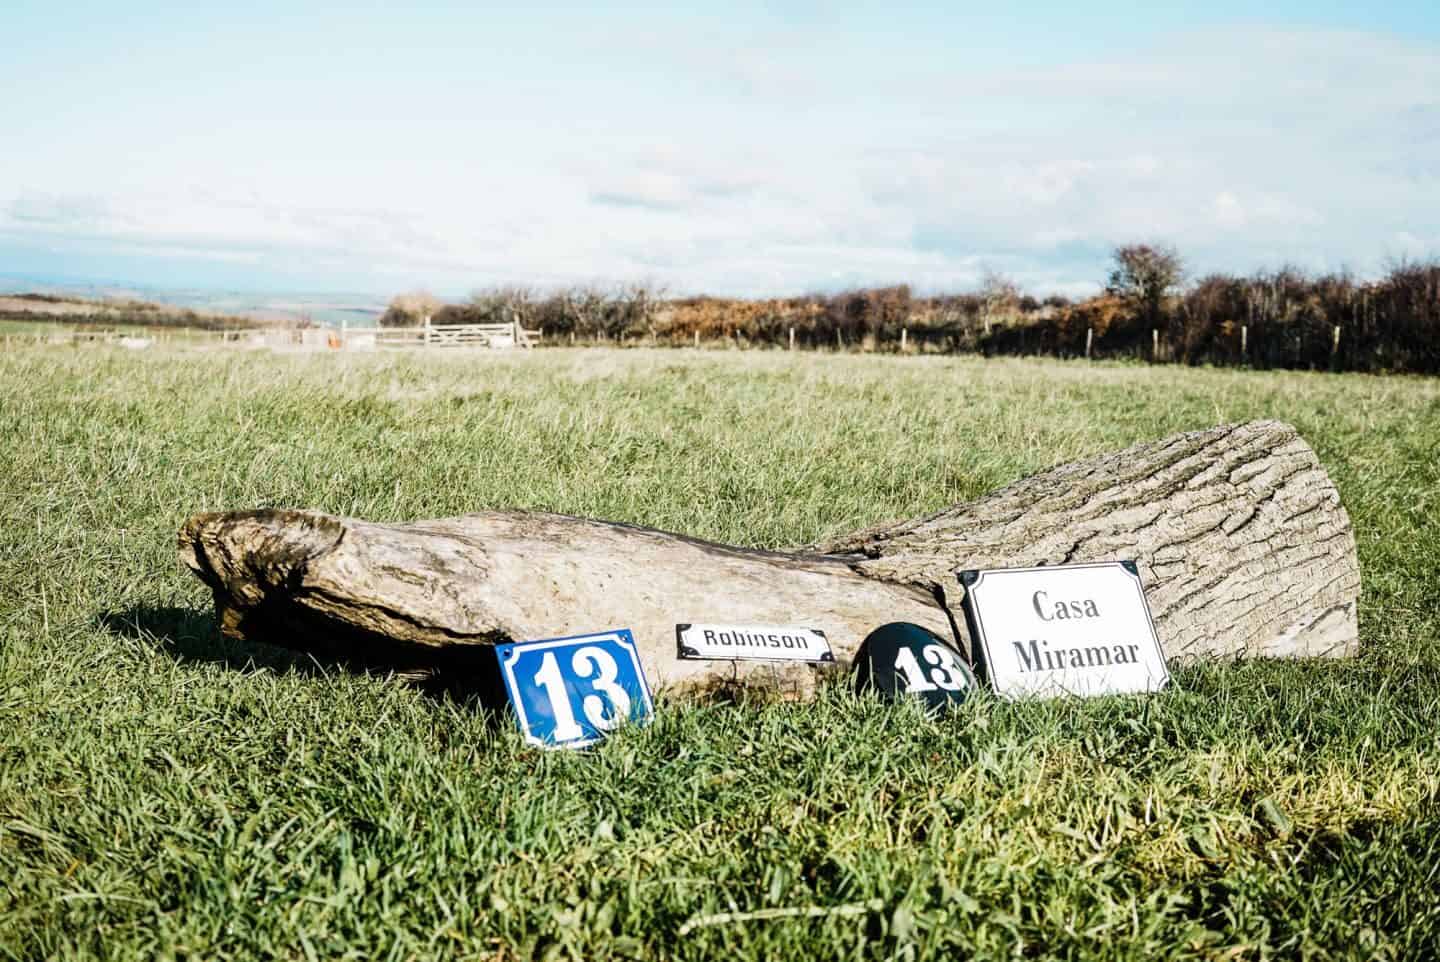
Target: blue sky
pixel 742 149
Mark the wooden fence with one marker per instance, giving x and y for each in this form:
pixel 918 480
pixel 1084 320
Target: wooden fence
pixel 449 335
pixel 343 337
pixel 1157 348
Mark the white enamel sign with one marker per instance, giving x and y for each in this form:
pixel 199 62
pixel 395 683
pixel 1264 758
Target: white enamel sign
pixel 752 642
pixel 1064 630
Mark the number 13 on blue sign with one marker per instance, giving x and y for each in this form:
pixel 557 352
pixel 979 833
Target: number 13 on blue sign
pixel 572 692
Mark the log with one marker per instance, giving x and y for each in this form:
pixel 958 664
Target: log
pixel 1242 543
pixel 1239 534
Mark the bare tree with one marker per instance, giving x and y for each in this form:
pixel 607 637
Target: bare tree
pixel 1144 275
pixel 638 304
pixel 410 310
pixel 504 305
pixel 1001 297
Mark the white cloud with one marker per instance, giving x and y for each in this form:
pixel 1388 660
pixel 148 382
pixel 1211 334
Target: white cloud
pixel 1242 149
pixel 1229 212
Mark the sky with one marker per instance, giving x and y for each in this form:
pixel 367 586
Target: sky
pixel 733 149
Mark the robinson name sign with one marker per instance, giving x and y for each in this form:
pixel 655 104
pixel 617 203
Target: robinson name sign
pixel 1064 630
pixel 752 643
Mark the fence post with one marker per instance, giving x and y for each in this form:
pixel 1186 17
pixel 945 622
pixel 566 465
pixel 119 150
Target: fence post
pixel 697 338
pixel 839 340
pixel 1335 341
pixel 1244 337
pixel 903 336
pixel 792 338
pixel 1154 344
pixel 1089 340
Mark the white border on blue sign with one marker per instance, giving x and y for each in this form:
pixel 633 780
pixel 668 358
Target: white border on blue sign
pixel 621 636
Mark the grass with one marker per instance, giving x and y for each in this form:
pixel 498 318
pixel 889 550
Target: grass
pixel 168 794
pixel 26 332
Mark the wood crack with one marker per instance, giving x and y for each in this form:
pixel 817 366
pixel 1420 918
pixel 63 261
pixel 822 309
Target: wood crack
pixel 1238 532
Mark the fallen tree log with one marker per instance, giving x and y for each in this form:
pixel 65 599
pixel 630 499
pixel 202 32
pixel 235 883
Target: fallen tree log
pixel 1241 540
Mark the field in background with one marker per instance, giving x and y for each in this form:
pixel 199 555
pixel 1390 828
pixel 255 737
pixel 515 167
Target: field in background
pixel 51 312
pixel 164 793
pixel 1285 318
pixel 172 306
pixel 1149 310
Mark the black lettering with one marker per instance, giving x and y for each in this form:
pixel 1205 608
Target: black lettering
pixel 1090 610
pixel 1094 656
pixel 709 637
pixel 1029 661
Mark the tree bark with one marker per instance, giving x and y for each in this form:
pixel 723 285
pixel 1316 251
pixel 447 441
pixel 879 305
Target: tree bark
pixel 1242 544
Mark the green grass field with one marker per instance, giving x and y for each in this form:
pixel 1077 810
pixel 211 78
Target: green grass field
pixel 16 333
pixel 166 794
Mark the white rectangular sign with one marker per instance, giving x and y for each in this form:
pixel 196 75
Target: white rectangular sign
pixel 752 642
pixel 1064 630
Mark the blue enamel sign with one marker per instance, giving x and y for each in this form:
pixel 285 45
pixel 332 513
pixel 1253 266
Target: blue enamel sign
pixel 572 692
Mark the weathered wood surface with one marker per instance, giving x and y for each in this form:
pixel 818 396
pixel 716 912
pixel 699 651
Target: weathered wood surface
pixel 1241 539
pixel 395 595
pixel 1243 545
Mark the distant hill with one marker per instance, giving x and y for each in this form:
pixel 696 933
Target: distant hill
pixel 266 307
pixel 67 309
